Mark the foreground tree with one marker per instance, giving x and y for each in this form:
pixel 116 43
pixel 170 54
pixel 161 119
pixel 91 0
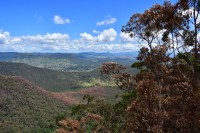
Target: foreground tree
pixel 168 91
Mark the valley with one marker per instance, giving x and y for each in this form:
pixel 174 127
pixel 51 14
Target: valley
pixel 35 91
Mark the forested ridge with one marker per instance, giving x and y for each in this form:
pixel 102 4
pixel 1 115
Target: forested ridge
pixel 50 80
pixel 165 95
pixel 25 107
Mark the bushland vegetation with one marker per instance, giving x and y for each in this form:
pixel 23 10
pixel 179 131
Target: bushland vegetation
pixel 164 96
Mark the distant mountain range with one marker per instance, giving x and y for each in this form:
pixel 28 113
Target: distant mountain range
pixel 68 61
pixel 4 56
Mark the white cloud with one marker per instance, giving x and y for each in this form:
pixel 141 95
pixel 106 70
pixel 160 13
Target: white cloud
pixel 4 35
pixel 108 35
pixel 87 37
pixel 125 37
pixel 96 32
pixel 107 21
pixel 37 43
pixel 48 37
pixel 59 20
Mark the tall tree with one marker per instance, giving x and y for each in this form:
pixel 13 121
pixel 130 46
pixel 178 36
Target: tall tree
pixel 166 91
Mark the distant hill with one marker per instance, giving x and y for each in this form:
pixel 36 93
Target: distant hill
pixel 68 61
pixel 25 107
pixel 51 80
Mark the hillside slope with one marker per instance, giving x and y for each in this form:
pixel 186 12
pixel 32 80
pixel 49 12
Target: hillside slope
pixel 26 108
pixel 50 80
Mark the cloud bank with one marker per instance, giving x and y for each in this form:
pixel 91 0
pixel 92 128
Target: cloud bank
pixel 105 41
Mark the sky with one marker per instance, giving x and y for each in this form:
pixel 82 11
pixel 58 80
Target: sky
pixel 68 26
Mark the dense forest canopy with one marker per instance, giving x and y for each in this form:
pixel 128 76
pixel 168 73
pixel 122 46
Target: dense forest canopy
pixel 164 96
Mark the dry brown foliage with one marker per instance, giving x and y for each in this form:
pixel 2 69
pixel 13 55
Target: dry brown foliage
pixel 116 71
pixel 166 98
pixel 77 126
pixel 168 94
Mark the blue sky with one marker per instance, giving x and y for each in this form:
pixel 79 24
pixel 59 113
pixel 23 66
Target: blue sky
pixel 68 25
